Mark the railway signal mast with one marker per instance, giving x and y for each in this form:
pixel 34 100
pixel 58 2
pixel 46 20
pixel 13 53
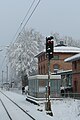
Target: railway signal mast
pixel 49 53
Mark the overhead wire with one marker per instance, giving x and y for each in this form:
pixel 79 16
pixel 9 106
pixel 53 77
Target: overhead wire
pixel 25 22
pixel 30 15
pixel 19 28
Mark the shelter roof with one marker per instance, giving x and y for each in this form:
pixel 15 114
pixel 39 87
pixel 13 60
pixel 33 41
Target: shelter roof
pixel 73 58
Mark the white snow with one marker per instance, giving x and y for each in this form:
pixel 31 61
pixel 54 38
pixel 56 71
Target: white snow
pixel 73 58
pixel 65 109
pixel 67 49
pixel 63 49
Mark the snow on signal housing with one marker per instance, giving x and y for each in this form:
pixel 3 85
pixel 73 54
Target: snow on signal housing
pixel 49 47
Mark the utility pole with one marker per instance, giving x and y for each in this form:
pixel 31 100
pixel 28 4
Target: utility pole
pixel 2 79
pixel 49 52
pixel 7 74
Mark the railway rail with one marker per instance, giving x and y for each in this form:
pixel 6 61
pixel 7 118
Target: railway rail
pixel 16 108
pixel 5 109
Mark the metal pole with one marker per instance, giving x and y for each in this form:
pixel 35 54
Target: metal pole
pixel 7 75
pixel 46 94
pixel 49 51
pixel 49 103
pixel 48 107
pixel 2 79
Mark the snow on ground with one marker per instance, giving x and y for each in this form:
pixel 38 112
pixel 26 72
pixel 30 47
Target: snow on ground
pixel 66 109
pixel 3 114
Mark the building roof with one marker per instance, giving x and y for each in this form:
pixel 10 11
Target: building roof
pixel 73 58
pixel 44 77
pixel 62 49
pixel 67 49
pixel 64 72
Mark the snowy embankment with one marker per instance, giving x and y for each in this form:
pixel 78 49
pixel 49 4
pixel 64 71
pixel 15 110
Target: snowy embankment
pixel 66 109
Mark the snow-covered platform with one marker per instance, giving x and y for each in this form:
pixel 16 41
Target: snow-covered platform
pixel 66 109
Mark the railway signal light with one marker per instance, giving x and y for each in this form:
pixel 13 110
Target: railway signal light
pixel 49 47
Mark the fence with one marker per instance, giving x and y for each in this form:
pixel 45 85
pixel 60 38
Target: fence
pixel 71 95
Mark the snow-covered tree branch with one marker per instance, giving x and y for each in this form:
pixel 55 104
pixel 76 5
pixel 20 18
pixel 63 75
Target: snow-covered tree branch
pixel 21 54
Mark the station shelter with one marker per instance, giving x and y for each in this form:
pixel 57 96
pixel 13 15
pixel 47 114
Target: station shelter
pixel 38 85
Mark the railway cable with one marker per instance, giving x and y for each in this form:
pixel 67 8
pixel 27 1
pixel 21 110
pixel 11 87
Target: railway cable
pixel 23 20
pixel 30 15
pixel 24 24
pixel 27 19
pixel 19 28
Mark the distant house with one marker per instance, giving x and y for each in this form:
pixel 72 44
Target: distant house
pixel 61 52
pixel 75 72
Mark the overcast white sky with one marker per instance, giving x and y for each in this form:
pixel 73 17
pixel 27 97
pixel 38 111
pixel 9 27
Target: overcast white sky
pixel 62 16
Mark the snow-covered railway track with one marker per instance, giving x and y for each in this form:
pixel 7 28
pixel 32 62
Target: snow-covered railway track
pixel 13 110
pixel 5 110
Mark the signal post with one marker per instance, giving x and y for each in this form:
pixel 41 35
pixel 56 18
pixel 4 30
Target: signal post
pixel 49 53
